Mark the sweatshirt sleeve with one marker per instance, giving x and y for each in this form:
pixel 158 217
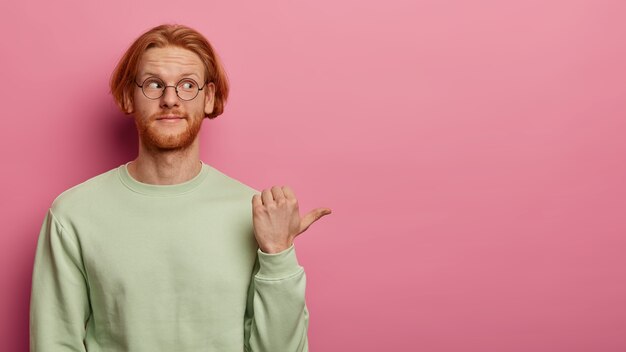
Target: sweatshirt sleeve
pixel 59 303
pixel 276 315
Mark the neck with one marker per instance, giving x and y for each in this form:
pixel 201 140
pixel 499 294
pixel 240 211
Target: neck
pixel 166 167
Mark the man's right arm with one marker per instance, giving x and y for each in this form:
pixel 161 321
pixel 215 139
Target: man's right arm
pixel 59 302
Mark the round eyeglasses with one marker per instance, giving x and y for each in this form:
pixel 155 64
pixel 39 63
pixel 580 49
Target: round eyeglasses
pixel 153 88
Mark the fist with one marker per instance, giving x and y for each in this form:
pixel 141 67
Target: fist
pixel 276 218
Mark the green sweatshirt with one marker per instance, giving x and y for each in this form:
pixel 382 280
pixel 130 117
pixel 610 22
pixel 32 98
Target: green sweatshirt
pixel 122 265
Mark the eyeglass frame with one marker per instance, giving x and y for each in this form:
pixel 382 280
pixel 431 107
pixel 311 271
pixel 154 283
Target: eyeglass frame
pixel 175 87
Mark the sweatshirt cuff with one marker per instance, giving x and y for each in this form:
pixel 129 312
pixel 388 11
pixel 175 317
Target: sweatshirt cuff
pixel 278 265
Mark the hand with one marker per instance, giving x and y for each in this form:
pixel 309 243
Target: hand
pixel 276 218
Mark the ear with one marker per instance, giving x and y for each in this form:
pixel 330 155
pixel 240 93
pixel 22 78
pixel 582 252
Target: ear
pixel 209 98
pixel 128 105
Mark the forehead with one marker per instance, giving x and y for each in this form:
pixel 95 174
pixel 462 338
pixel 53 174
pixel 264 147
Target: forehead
pixel 170 62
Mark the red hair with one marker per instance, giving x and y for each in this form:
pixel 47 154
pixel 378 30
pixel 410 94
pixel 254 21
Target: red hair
pixel 122 79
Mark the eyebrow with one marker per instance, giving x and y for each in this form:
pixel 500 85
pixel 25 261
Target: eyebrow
pixel 183 75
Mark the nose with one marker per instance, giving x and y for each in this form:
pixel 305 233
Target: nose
pixel 169 98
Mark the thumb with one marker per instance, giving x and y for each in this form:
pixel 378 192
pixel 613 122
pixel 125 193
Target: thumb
pixel 312 217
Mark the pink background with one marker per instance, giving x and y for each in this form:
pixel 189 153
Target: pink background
pixel 472 153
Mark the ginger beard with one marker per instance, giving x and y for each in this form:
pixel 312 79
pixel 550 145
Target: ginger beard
pixel 154 135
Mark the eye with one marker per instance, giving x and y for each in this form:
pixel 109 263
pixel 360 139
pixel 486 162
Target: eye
pixel 153 83
pixel 187 85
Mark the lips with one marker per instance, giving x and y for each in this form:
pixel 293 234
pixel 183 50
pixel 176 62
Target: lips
pixel 169 118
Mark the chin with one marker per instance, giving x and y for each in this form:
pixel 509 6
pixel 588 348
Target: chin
pixel 169 142
pixel 152 138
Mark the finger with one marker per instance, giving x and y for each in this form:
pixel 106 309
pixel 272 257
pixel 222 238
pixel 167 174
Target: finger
pixel 267 197
pixel 256 200
pixel 312 217
pixel 288 192
pixel 277 192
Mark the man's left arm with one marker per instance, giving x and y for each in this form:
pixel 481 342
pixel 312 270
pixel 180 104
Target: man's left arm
pixel 277 313
pixel 277 318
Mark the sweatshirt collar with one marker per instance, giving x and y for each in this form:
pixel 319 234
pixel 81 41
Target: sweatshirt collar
pixel 161 190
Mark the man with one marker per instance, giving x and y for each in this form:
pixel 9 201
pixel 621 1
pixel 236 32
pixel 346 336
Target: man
pixel 166 253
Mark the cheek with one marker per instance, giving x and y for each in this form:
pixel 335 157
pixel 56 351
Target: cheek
pixel 137 103
pixel 197 110
pixel 144 108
